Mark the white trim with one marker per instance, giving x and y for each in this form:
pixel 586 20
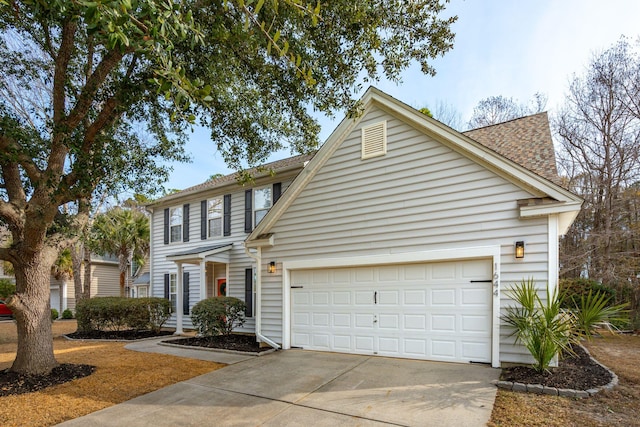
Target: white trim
pixel 554 263
pixel 492 252
pixel 181 207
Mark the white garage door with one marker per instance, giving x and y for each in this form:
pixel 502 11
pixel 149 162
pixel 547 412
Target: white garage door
pixel 436 311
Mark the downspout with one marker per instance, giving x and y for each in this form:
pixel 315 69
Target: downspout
pixel 258 259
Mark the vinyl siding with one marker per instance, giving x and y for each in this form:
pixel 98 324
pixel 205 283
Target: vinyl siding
pixel 420 196
pixel 105 280
pixel 238 260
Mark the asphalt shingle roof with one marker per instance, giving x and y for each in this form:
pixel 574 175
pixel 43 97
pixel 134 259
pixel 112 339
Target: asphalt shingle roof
pixel 526 141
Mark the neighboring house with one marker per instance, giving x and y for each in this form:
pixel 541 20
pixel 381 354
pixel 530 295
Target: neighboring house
pixel 105 282
pixel 140 280
pixel 397 238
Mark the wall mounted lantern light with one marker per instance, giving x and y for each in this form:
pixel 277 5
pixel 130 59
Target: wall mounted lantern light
pixel 520 249
pixel 271 268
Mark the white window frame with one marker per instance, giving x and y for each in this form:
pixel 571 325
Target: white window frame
pixel 173 290
pixel 218 215
pixel 262 210
pixel 146 291
pixel 172 226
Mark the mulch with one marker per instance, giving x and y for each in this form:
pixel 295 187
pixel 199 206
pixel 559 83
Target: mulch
pixel 236 342
pixel 575 371
pixel 14 383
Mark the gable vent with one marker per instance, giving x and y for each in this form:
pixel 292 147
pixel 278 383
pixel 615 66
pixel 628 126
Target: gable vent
pixel 374 140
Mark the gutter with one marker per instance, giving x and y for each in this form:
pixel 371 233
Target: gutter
pixel 258 330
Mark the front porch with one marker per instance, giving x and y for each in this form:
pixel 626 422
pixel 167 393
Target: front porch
pixel 213 264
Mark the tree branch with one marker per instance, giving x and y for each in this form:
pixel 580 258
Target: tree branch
pixel 10 147
pixel 81 109
pixel 60 72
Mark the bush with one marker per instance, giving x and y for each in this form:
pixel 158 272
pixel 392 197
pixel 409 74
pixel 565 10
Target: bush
pixel 118 314
pixel 54 314
pixel 218 315
pixel 7 288
pixel 547 329
pixel 67 314
pixel 159 310
pixel 540 326
pixel 573 290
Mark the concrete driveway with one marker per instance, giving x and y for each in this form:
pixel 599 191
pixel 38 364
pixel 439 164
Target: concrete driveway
pixel 304 388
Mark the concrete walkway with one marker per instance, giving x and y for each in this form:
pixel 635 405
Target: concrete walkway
pixel 306 388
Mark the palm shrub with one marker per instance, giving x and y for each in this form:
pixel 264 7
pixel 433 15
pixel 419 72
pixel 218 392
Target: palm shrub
pixel 218 315
pixel 541 326
pixel 594 310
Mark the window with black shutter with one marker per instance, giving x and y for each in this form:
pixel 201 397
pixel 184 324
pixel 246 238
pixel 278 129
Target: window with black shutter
pixel 248 292
pixel 185 222
pixel 248 211
pixel 227 215
pixel 185 292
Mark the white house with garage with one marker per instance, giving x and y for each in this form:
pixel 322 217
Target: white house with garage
pixel 397 238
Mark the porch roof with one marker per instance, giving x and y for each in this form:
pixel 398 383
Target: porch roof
pixel 197 255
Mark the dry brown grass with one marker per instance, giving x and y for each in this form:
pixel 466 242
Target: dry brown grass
pixel 618 407
pixel 120 375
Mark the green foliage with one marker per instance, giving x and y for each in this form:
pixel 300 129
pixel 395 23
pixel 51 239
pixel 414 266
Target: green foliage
pixel 539 325
pixel 159 312
pixel 67 314
pixel 7 287
pixel 218 315
pixel 118 314
pixel 54 314
pixel 547 329
pixel 574 289
pixel 593 310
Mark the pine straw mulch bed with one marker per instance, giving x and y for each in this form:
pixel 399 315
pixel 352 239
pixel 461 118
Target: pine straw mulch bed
pixel 120 375
pixel 617 407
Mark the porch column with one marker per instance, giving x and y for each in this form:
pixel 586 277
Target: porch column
pixel 179 290
pixel 203 280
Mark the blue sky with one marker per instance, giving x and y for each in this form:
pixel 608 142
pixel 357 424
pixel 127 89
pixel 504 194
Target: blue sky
pixel 512 48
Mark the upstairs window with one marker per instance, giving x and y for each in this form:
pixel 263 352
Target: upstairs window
pixel 262 202
pixel 175 224
pixel 214 218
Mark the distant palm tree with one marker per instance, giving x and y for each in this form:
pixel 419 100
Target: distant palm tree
pixel 62 269
pixel 123 233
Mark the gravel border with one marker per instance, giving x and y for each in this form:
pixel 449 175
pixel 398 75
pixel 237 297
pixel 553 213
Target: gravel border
pixel 563 392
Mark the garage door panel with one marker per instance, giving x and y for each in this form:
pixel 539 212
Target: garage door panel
pixel 415 297
pixel 424 311
pixel 476 296
pixel 389 321
pixel 442 297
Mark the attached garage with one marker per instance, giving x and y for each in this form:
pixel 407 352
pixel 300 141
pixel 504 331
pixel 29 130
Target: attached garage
pixel 432 311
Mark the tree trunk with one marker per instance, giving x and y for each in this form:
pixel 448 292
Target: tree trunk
pixel 32 310
pixel 86 292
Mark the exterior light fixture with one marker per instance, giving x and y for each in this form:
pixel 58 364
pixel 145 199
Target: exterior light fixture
pixel 519 249
pixel 271 268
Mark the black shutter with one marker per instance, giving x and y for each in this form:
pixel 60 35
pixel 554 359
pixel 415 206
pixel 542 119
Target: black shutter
pixel 166 226
pixel 185 223
pixel 248 292
pixel 226 218
pixel 203 219
pixel 185 292
pixel 277 191
pixel 166 286
pixel 248 211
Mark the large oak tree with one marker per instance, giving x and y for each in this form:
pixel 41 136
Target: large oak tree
pixel 93 93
